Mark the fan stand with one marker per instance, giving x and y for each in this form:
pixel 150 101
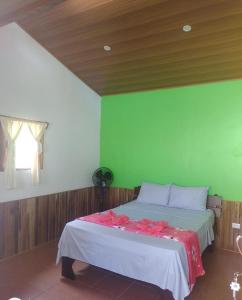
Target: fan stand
pixel 101 197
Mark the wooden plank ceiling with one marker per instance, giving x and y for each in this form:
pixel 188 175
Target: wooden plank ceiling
pixel 149 48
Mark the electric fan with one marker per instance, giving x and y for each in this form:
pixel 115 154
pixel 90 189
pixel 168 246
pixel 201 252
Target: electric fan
pixel 102 177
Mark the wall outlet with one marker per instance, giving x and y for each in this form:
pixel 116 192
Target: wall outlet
pixel 236 225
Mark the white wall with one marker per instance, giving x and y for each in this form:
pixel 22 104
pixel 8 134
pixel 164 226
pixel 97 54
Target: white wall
pixel 34 85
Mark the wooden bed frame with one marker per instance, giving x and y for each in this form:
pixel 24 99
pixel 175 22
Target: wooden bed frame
pixel 66 268
pixel 213 202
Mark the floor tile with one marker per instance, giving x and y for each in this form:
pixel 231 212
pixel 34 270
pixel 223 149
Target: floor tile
pixel 46 278
pixel 90 275
pixel 34 275
pixel 114 284
pixel 141 292
pixel 23 291
pixel 66 291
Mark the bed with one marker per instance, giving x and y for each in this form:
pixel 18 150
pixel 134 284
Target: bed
pixel 158 261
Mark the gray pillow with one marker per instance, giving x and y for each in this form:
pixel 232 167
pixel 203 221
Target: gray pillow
pixel 154 193
pixel 194 198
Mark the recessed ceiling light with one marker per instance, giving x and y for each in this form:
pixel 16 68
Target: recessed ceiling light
pixel 187 28
pixel 107 48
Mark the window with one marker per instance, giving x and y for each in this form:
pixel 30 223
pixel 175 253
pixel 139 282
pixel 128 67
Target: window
pixel 3 146
pixel 25 149
pixel 21 145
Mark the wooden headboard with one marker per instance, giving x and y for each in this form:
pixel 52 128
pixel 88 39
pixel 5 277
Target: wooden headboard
pixel 214 202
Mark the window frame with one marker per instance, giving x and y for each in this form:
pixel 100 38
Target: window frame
pixel 3 153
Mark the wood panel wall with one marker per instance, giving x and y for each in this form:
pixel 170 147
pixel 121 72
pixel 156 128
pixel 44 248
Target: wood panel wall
pixel 224 234
pixel 27 223
pixel 118 196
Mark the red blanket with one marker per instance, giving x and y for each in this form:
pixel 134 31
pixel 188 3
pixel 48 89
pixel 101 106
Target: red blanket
pixel 159 229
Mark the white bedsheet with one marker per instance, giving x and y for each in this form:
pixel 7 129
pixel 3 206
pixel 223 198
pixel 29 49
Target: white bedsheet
pixel 155 260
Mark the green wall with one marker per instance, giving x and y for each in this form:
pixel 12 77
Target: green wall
pixel 188 136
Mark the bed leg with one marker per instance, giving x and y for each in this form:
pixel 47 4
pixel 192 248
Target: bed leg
pixel 67 270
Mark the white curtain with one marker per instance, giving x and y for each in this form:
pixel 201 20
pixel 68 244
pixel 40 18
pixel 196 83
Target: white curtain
pixel 11 129
pixel 37 130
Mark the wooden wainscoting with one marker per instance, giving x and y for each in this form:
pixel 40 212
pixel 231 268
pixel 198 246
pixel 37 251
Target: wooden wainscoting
pixel 224 234
pixel 27 223
pixel 117 196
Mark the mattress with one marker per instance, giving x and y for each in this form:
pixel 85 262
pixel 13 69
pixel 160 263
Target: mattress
pixel 159 261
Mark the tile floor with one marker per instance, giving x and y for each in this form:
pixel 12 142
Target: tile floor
pixel 34 275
